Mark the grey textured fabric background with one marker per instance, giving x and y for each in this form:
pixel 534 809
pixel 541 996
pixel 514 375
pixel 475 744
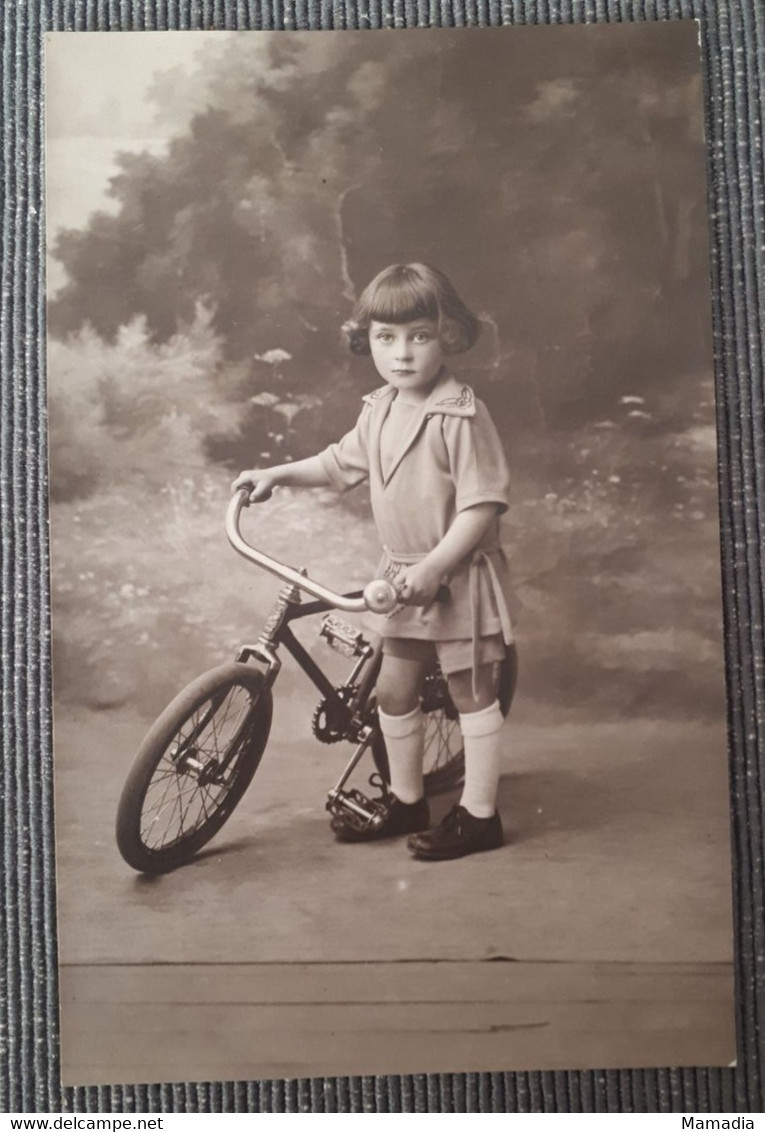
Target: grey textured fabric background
pixel 733 59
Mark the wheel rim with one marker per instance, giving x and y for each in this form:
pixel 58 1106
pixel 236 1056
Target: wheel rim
pixel 187 789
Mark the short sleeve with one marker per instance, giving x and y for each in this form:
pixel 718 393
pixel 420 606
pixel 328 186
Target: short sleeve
pixel 347 462
pixel 476 460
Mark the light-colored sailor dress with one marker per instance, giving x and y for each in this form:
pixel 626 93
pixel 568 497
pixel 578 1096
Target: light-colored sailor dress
pixel 449 459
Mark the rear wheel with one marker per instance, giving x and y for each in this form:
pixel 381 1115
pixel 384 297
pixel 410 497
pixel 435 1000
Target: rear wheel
pixel 193 767
pixel 444 757
pixel 508 678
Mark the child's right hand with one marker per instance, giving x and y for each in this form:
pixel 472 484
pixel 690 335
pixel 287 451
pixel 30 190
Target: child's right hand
pixel 260 484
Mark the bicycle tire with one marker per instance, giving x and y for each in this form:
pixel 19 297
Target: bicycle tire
pixel 508 679
pixel 444 752
pixel 172 803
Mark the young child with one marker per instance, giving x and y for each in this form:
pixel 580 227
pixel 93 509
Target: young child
pixel 438 483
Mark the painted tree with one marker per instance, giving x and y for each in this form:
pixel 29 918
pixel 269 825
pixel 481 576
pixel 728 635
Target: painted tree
pixel 561 188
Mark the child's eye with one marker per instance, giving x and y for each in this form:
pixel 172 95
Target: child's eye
pixel 422 336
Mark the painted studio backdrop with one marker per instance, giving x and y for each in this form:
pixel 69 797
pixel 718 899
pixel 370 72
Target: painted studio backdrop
pixel 215 204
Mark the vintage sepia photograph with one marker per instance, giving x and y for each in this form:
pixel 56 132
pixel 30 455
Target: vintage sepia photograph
pixel 389 700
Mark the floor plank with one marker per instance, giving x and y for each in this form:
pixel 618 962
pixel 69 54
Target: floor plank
pixel 193 1021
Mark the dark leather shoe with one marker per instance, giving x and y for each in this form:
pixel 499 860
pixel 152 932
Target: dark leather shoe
pixel 458 835
pixel 393 819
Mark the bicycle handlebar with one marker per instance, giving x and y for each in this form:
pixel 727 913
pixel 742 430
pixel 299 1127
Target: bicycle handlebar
pixel 380 595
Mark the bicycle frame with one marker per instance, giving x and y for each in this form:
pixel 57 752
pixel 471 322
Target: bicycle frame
pixel 198 760
pixel 348 701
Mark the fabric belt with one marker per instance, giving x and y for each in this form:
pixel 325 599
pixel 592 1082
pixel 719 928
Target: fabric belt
pixel 480 560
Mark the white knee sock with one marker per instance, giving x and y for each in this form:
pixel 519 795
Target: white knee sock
pixel 481 736
pixel 403 736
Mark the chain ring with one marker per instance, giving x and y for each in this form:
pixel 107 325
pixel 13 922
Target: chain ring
pixel 326 729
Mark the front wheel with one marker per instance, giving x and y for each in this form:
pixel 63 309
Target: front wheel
pixel 193 767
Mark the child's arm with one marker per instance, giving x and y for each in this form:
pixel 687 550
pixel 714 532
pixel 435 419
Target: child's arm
pixel 262 481
pixel 422 580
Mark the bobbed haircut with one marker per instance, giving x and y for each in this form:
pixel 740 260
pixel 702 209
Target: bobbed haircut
pixel 405 292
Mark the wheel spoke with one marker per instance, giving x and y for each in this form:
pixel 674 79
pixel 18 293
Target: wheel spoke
pixel 179 800
pixel 444 758
pixel 161 802
pixel 176 807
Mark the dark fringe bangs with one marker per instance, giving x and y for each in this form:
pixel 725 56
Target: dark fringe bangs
pixel 402 300
pixel 407 292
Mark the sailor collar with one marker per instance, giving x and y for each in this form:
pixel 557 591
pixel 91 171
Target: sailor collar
pixel 449 398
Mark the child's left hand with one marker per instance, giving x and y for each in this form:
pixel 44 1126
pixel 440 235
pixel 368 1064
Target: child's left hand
pixel 420 585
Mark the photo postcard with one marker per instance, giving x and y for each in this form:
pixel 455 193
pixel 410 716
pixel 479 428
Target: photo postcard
pixel 390 723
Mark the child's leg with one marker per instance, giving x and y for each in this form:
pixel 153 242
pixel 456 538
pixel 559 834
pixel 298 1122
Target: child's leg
pixel 474 825
pixel 405 808
pixel 401 722
pixel 481 722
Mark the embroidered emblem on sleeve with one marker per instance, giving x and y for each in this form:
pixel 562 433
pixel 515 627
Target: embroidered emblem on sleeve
pixel 464 401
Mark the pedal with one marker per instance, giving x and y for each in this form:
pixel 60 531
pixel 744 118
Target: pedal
pixel 356 810
pixel 342 637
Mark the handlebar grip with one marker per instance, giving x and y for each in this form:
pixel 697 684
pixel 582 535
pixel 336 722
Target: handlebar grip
pixel 247 500
pixel 382 596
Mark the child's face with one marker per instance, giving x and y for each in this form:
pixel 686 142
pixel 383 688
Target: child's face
pixel 408 355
